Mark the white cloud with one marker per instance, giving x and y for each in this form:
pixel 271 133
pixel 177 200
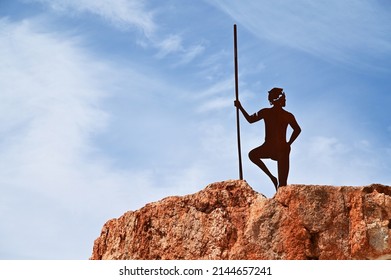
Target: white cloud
pixel 338 161
pixel 191 53
pixel 51 111
pixel 53 177
pixel 334 29
pixel 46 82
pixel 217 96
pixel 216 104
pixel 214 66
pixel 122 13
pixel 171 44
pixel 125 14
pixel 217 88
pixel 324 149
pixel 58 101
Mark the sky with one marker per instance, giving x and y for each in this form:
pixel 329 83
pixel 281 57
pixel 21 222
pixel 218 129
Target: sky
pixel 108 105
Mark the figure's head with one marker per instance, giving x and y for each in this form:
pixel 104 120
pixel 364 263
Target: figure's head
pixel 277 97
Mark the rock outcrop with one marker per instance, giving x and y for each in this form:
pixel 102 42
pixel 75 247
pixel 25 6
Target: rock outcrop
pixel 229 220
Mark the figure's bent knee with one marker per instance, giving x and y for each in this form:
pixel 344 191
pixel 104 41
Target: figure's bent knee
pixel 252 155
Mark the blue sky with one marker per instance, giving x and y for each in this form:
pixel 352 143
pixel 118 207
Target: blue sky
pixel 108 105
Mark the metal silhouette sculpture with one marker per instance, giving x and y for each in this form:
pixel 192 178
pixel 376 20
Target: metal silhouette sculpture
pixel 275 146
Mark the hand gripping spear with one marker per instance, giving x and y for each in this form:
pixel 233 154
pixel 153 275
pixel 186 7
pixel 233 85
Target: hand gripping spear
pixel 237 99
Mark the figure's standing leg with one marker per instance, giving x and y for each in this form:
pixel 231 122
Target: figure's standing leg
pixel 283 167
pixel 255 156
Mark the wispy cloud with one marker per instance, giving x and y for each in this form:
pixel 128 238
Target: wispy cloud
pixel 89 137
pixel 171 44
pixel 126 14
pixel 52 109
pixel 333 29
pixel 121 13
pixel 49 112
pixel 51 104
pixel 217 96
pixel 217 88
pixel 191 53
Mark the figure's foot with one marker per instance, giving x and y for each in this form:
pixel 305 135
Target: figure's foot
pixel 275 181
pixel 284 184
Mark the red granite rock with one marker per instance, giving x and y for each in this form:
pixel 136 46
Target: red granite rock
pixel 229 220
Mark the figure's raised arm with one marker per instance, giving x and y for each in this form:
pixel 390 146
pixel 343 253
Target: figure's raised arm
pixel 250 119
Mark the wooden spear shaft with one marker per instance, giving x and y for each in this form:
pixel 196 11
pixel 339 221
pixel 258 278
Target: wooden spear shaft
pixel 237 99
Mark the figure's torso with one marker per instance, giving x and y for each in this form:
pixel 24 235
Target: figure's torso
pixel 276 123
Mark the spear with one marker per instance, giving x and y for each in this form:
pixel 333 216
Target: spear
pixel 237 99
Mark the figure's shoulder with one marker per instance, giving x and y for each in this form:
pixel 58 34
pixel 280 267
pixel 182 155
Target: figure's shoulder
pixel 289 115
pixel 264 110
pixel 285 112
